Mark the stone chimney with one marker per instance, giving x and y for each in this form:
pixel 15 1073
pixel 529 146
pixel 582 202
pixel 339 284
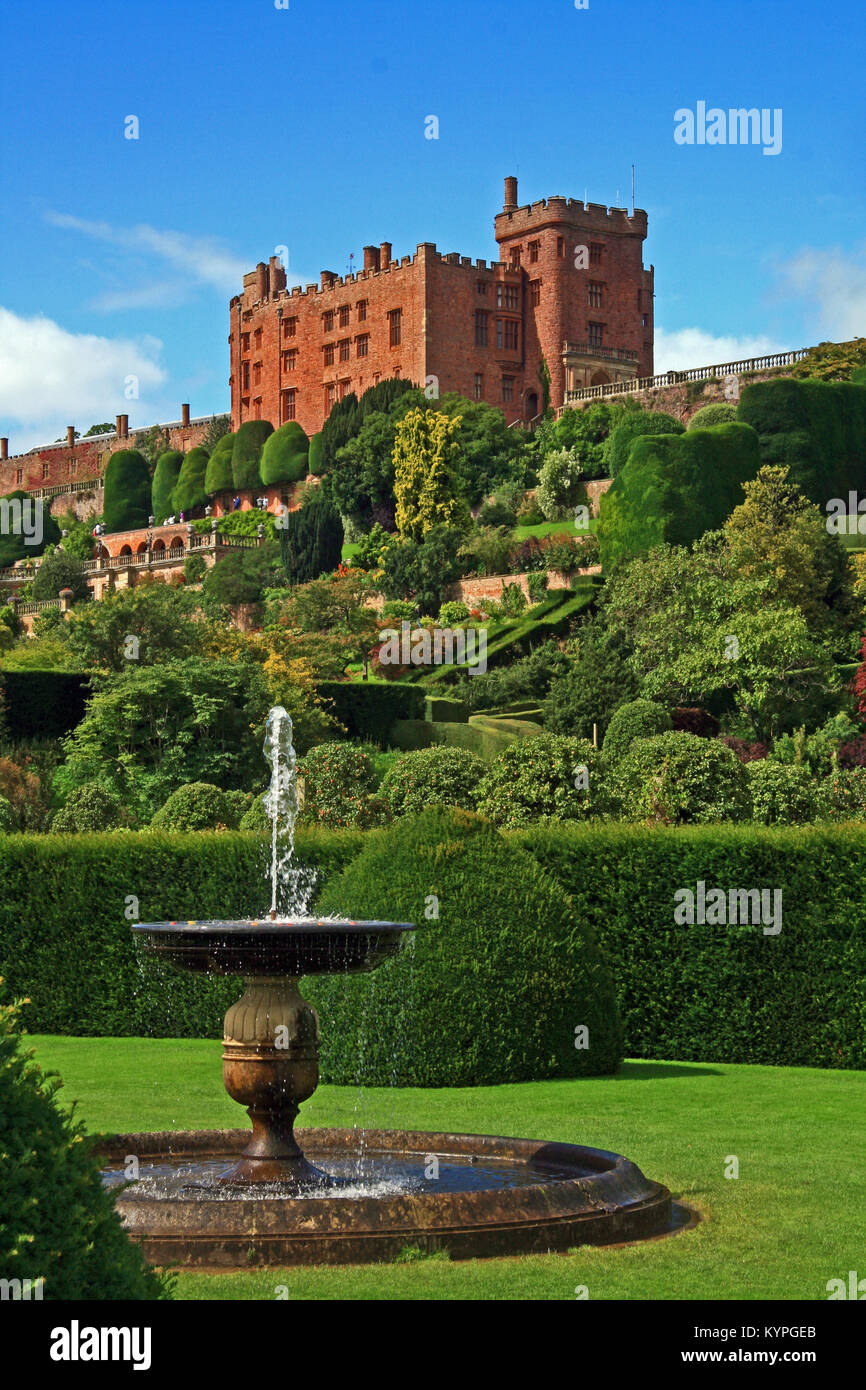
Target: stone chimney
pixel 4 448
pixel 384 255
pixel 510 204
pixel 328 277
pixel 184 414
pixel 118 426
pixel 70 436
pixel 371 258
pixel 261 281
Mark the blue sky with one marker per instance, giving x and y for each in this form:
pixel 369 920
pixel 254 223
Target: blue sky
pixel 304 127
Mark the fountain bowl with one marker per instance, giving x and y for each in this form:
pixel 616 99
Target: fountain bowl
pixel 286 947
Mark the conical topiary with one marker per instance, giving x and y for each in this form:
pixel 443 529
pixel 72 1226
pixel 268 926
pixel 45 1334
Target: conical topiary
pixel 497 985
pixel 165 478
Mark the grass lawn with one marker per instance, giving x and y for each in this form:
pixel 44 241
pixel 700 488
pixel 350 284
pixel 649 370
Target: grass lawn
pixel 793 1219
pixel 552 528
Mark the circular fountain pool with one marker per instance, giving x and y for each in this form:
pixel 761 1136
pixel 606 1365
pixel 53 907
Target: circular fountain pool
pixel 472 1195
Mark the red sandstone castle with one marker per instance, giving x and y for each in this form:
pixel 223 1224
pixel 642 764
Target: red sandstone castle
pixel 569 294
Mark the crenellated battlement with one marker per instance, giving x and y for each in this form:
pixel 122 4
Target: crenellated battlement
pixel 594 216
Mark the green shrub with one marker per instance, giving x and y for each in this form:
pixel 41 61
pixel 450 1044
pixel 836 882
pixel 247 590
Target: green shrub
pixel 785 795
pixel 845 791
pixel 719 413
pixel 58 1222
pixel 339 786
pixel 497 513
pixel 311 539
pixel 314 458
pixel 433 776
pixel 239 803
pixel 674 488
pixel 816 428
pixel 246 453
pixel 8 819
pixel 284 456
pixel 632 425
pixel 196 806
pixel 637 719
pixel 548 776
pixel 90 807
pixel 194 569
pixel 678 779
pixel 494 986
pixel 127 489
pixel 190 491
pixel 165 477
pixel 255 818
pixel 367 709
pixel 537 584
pixel 218 475
pixel 454 613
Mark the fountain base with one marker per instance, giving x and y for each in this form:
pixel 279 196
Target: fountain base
pixel 469 1195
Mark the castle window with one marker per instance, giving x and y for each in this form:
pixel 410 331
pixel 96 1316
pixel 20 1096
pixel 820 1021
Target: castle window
pixel 596 252
pixel 257 408
pixel 245 342
pixel 290 360
pixel 560 247
pixel 507 297
pixel 534 248
pixel 395 317
pixel 363 344
pixel 290 327
pixel 479 386
pixel 329 355
pixel 330 396
pixel 257 374
pixel 515 257
pixel 288 404
pixel 480 328
pixel 258 337
pixel 595 294
pixel 46 469
pixel 19 475
pixel 362 310
pixel 328 321
pixel 342 389
pixel 344 350
pixel 246 378
pixel 481 286
pixel 507 389
pixel 595 334
pixel 535 293
pixel 645 320
pixel 344 316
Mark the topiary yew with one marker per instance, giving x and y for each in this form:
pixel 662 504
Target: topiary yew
pixel 284 456
pixel 637 719
pixel 197 806
pixel 497 981
pixel 446 776
pixel 127 494
pixel 189 491
pixel 165 477
pixel 246 453
pixel 218 475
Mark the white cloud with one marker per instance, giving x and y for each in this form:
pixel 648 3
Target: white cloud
pixel 832 286
pixel 51 378
pixel 695 347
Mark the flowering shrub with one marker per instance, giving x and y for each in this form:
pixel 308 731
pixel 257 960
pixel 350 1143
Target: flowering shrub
pixel 445 776
pixel 845 791
pixel 544 777
pixel 89 807
pixel 340 787
pixel 197 806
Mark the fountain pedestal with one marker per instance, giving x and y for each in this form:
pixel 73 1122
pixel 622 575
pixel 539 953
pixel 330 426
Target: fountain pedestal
pixel 271 1065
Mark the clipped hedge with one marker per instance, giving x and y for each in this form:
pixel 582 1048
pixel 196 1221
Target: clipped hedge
pixel 127 491
pixel 725 993
pixel 218 475
pixel 66 944
pixel 816 428
pixel 246 453
pixel 43 704
pixel 189 491
pixel 634 424
pixel 165 477
pixel 496 982
pixel 284 456
pixel 673 488
pixel 367 709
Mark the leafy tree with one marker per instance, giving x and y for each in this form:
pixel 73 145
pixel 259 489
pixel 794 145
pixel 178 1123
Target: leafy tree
pixel 777 532
pixel 127 490
pixel 151 729
pixel 79 538
pixel 424 449
pixel 105 428
pixel 559 483
pixel 335 606
pixel 165 477
pixel 342 424
pixel 423 570
pixel 311 540
pixel 583 433
pixel 60 570
pixel 599 680
pixel 14 540
pixel 488 453
pixel 284 456
pixel 832 361
pixel 218 427
pixel 189 492
pixel 157 615
pixel 242 576
pixel 151 443
pixel 218 475
pixel 246 453
pixel 361 478
pixel 372 548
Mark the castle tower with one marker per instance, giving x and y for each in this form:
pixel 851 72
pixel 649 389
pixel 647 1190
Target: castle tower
pixel 588 301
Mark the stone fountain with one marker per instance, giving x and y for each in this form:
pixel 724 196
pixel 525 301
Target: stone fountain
pixel 231 1198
